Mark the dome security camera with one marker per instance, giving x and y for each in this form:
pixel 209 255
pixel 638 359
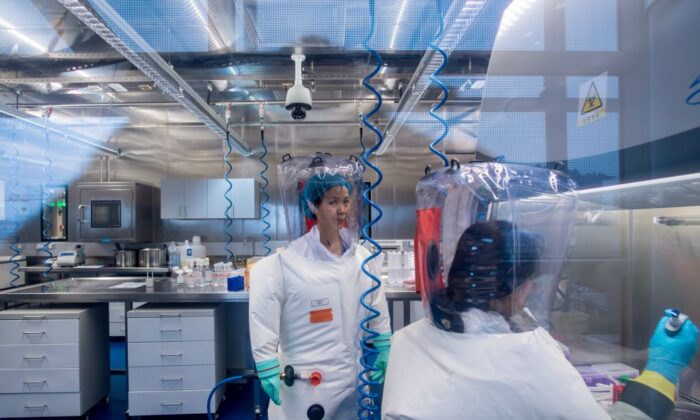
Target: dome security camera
pixel 298 97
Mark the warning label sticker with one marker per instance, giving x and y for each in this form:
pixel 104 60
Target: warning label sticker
pixel 592 99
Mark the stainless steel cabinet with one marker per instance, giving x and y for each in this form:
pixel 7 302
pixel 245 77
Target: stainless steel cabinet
pixel 114 211
pixel 54 360
pixel 205 199
pixel 183 199
pixel 244 197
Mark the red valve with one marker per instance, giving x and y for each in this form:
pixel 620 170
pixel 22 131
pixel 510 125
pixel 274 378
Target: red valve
pixel 315 378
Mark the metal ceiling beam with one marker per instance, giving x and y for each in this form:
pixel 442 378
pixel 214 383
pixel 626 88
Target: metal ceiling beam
pixel 145 104
pixel 135 76
pixel 458 20
pixel 58 129
pixel 150 63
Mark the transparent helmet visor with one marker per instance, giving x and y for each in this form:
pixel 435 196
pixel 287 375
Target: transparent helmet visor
pixel 305 180
pixel 492 237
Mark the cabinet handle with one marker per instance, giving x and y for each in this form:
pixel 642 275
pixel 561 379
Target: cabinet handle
pixel 34 333
pixel 33 406
pixel 171 379
pixel 181 215
pixel 34 357
pixel 171 404
pixel 81 213
pixel 174 330
pixel 42 382
pixel 171 355
pixel 33 317
pixel 185 211
pixel 170 315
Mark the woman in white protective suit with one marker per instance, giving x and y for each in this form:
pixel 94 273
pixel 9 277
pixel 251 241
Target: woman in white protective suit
pixel 305 306
pixel 481 352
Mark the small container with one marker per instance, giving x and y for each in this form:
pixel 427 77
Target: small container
pixel 235 283
pixel 125 258
pixel 151 257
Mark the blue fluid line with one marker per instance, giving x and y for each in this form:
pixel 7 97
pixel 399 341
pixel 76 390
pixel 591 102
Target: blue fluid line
pixel 229 220
pixel 14 270
pixel 45 217
pixel 213 391
pixel 694 96
pixel 367 407
pixel 434 80
pixel 265 197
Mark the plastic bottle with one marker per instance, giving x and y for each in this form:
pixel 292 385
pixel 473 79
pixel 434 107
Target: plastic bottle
pixel 198 250
pixel 186 252
pixel 173 255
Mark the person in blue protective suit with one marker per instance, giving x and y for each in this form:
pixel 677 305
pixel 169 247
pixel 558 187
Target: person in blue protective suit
pixel 305 310
pixel 471 359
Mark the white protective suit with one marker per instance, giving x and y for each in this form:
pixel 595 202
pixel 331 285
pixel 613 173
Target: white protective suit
pixel 285 289
pixel 486 373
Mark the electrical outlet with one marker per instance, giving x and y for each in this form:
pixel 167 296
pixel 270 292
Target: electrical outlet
pixel 40 245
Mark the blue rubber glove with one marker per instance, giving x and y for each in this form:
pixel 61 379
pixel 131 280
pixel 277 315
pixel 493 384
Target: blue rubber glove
pixel 670 354
pixel 269 375
pixel 382 344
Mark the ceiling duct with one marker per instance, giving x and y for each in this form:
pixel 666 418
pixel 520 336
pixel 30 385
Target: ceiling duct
pixel 55 128
pixel 150 63
pixel 458 20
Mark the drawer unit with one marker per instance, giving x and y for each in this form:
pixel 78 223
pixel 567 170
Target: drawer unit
pixel 171 353
pixel 117 318
pixel 18 381
pixel 176 355
pixel 171 328
pixel 117 312
pixel 29 330
pixel 46 356
pixel 164 378
pixel 54 360
pixel 40 405
pixel 117 329
pixel 155 403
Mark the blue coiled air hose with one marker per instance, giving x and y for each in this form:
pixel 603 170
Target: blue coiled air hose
pixel 433 79
pixel 265 212
pixel 14 270
pixel 45 231
pixel 366 408
pixel 229 220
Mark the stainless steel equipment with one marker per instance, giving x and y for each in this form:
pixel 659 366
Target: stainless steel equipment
pixel 114 211
pixel 151 257
pixel 125 258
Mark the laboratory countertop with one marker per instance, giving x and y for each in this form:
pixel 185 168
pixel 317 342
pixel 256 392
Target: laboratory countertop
pixel 134 289
pixel 103 269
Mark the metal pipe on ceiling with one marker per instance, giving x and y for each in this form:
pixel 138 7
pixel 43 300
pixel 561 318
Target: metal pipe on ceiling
pixel 150 63
pixel 473 102
pixel 57 129
pixel 458 20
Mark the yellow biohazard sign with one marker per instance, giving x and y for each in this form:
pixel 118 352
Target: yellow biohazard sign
pixel 592 99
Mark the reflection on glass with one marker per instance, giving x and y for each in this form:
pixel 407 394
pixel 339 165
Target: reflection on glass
pixel 54 213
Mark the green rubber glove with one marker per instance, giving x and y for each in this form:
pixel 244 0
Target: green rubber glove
pixel 269 375
pixel 382 344
pixel 669 354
